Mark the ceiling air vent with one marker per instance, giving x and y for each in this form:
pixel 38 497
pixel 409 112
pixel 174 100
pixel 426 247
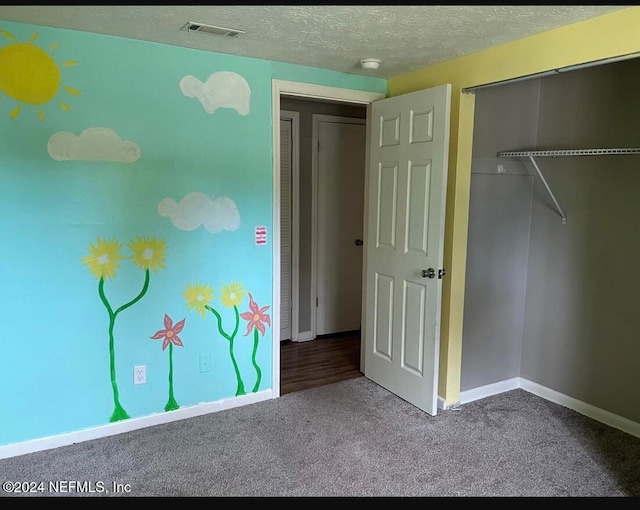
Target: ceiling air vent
pixel 211 29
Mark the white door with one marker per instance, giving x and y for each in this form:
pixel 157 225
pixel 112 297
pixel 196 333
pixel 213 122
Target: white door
pixel 406 181
pixel 341 151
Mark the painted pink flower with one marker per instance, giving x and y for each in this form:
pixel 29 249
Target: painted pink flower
pixel 170 332
pixel 256 317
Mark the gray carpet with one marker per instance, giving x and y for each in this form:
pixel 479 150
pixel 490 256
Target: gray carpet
pixel 353 439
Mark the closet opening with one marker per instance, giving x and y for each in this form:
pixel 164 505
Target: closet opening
pixel 547 304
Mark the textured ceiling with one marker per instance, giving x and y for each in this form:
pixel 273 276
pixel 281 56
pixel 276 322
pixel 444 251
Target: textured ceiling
pixel 336 37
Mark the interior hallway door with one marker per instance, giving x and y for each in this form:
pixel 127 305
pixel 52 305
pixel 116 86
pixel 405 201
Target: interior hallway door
pixel 407 180
pixel 341 151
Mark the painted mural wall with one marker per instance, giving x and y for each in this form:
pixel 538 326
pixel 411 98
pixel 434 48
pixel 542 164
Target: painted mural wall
pixel 135 213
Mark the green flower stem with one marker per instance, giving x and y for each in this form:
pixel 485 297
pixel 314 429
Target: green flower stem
pixel 256 338
pixel 138 297
pixel 118 412
pixel 240 387
pixel 172 405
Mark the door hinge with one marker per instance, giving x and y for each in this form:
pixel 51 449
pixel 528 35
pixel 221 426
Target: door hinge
pixel 318 145
pixel 441 273
pixel 316 301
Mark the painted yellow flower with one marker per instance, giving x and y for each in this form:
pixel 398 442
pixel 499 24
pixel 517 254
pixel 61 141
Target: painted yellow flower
pixel 148 253
pixel 232 294
pixel 103 258
pixel 197 297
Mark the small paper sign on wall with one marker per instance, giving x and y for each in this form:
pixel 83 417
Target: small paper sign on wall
pixel 261 235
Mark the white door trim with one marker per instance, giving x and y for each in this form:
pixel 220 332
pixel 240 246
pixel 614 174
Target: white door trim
pixel 316 119
pixel 291 88
pixel 295 219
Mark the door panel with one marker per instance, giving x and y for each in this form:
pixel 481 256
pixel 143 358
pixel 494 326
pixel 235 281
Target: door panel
pixel 405 235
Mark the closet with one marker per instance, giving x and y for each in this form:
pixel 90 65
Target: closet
pixel 553 255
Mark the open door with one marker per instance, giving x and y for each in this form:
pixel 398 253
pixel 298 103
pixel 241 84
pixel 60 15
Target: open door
pixel 406 190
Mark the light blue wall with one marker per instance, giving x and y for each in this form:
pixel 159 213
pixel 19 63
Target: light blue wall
pixel 55 359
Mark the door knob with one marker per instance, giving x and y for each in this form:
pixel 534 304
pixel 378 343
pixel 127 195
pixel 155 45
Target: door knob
pixel 358 242
pixel 429 273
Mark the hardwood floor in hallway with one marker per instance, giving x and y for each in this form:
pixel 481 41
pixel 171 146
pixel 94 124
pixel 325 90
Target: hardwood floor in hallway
pixel 325 360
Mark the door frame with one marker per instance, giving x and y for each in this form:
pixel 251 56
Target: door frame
pixel 315 257
pixel 311 91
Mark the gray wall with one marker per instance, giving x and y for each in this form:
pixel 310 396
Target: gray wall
pixel 307 108
pixel 582 322
pixel 498 242
pixel 581 316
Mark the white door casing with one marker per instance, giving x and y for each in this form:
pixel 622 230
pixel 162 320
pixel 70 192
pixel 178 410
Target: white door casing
pixel 339 168
pixel 407 178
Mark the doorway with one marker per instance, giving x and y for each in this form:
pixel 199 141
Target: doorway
pixel 332 101
pixel 392 203
pixel 321 223
pixel 331 261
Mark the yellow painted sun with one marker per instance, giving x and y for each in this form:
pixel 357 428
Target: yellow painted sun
pixel 29 75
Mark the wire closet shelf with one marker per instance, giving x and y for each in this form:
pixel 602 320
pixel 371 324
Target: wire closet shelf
pixel 531 155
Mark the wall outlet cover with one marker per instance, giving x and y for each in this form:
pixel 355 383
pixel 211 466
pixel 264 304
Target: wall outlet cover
pixel 140 374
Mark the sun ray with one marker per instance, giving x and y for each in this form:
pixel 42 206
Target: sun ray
pixel 54 46
pixel 70 63
pixel 40 114
pixel 34 37
pixel 15 112
pixel 7 35
pixel 72 91
pixel 64 106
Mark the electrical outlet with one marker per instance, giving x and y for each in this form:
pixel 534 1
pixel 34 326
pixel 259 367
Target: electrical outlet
pixel 139 374
pixel 205 362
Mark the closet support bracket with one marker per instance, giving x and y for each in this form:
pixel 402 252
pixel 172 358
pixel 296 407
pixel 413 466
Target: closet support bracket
pixel 546 185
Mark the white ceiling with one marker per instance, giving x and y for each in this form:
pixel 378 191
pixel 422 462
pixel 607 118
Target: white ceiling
pixel 405 38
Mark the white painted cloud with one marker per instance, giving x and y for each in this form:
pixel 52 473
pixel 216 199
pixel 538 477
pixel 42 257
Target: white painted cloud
pixel 197 209
pixel 93 144
pixel 223 89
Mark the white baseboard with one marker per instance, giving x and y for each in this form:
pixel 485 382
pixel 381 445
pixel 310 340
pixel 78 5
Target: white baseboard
pixel 305 336
pixel 489 389
pixel 47 443
pixel 613 420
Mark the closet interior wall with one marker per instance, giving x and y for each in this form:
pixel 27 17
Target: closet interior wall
pixel 557 304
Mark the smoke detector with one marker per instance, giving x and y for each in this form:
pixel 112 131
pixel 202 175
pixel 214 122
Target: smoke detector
pixel 370 63
pixel 191 26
